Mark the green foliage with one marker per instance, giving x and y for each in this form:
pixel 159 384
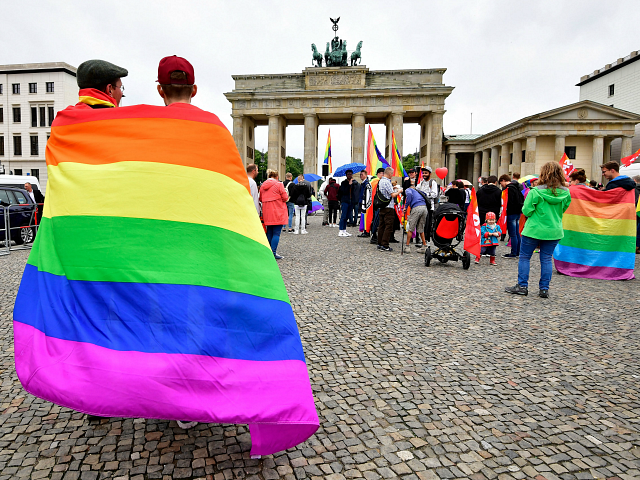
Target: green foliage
pixel 294 165
pixel 410 161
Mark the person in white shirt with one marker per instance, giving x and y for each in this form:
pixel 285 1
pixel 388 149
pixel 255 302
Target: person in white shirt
pixel 252 173
pixel 431 189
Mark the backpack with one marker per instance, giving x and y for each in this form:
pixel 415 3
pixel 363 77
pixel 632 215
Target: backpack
pixel 379 200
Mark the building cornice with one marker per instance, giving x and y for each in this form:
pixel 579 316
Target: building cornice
pixel 622 62
pixel 38 68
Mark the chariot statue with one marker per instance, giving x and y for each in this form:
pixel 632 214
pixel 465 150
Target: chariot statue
pixel 336 54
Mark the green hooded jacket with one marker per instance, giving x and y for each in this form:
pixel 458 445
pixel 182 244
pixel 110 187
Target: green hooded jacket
pixel 544 211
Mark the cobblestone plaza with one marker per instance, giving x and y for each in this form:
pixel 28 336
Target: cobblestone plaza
pixel 418 373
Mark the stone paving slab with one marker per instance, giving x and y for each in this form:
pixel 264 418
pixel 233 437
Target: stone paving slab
pixel 418 373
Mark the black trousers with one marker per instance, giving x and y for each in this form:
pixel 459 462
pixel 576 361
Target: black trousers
pixel 334 205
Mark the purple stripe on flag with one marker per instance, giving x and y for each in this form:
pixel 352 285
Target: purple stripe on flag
pixel 586 271
pixel 273 397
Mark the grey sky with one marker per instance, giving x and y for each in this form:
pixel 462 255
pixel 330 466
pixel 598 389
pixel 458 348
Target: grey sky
pixel 505 59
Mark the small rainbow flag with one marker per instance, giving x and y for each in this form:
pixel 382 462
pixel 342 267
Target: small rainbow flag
pixel 599 235
pixel 626 161
pixel 396 159
pixel 375 160
pixel 145 303
pixel 327 152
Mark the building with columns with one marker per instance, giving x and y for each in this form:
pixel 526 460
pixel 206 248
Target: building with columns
pixel 616 84
pixel 338 95
pixel 583 130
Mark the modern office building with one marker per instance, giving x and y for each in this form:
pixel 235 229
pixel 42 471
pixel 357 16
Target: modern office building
pixel 30 96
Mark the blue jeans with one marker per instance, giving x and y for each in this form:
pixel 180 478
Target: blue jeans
pixel 375 222
pixel 345 209
pixel 527 246
pixel 513 227
pixel 273 236
pixel 290 210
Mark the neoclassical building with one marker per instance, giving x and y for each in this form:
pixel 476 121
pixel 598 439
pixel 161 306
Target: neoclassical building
pixel 583 130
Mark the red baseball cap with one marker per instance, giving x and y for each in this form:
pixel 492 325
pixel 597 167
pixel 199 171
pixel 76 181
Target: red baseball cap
pixel 172 64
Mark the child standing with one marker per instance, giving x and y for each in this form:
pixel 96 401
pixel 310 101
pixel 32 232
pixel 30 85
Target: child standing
pixel 489 236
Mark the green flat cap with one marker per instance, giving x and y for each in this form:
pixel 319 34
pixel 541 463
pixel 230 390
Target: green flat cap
pixel 97 73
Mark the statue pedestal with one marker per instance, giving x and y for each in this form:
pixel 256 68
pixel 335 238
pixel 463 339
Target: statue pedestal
pixel 335 78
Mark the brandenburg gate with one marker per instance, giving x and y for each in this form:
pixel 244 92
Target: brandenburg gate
pixel 338 95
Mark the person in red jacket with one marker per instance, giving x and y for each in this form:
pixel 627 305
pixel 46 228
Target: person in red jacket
pixel 274 209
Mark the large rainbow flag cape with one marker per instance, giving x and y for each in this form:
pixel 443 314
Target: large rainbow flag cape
pixel 599 235
pixel 375 159
pixel 396 159
pixel 139 300
pixel 327 152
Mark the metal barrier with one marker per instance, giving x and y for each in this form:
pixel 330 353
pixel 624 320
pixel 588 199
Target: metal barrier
pixel 22 234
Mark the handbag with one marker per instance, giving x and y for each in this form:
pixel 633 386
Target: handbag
pixel 379 200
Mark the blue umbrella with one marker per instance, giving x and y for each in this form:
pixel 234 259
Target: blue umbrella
pixel 309 177
pixel 354 167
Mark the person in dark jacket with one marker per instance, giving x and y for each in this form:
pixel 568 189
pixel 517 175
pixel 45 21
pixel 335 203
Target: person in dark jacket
pixel 456 194
pixel 489 198
pixel 611 171
pixel 332 199
pixel 348 199
pixel 301 195
pixel 515 200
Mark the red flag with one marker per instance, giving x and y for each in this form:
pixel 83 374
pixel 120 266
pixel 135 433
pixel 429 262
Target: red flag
pixel 567 166
pixel 626 161
pixel 502 221
pixel 472 229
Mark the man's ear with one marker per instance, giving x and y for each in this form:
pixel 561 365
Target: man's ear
pixel 160 91
pixel 195 90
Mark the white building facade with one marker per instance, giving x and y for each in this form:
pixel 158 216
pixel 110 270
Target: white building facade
pixel 617 85
pixel 31 95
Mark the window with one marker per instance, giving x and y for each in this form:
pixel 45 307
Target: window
pixel 16 114
pixel 49 87
pixel 15 87
pixel 1 115
pixel 17 145
pixel 21 198
pixel 4 197
pixel 51 115
pixel 1 146
pixel 34 116
pixel 34 144
pixel 611 90
pixel 0 89
pixel 571 152
pixel 35 172
pixel 43 119
pixel 33 88
pixel 17 171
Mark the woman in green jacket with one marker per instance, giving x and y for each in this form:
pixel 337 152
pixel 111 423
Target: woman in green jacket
pixel 543 207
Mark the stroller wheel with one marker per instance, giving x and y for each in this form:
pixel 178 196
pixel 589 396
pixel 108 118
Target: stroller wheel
pixel 466 260
pixel 427 257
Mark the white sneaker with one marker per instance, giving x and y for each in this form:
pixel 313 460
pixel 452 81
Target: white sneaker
pixel 335 225
pixel 186 425
pixel 304 232
pixel 347 234
pixel 342 233
pixel 407 249
pixel 295 232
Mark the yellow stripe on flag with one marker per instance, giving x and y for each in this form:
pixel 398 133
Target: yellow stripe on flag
pixel 598 226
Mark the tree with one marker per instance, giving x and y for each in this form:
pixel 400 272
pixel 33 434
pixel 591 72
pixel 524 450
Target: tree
pixel 410 161
pixel 294 165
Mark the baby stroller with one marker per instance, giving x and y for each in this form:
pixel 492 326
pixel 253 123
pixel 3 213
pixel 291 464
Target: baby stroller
pixel 447 231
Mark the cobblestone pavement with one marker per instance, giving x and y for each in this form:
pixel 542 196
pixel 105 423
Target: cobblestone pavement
pixel 418 373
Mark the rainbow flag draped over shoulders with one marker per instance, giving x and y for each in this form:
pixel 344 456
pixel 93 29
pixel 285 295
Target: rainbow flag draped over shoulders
pixel 151 290
pixel 599 235
pixel 327 152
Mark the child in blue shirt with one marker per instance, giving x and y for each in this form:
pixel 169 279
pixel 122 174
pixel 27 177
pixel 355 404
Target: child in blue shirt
pixel 489 236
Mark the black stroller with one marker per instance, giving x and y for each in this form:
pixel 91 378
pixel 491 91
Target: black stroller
pixel 447 231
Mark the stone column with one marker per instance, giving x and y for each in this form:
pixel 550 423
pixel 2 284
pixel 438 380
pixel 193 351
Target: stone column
pixel 435 158
pixel 559 148
pixel 626 146
pixel 357 138
pixel 477 161
pixel 517 157
pixel 495 161
pixel 607 150
pixel 425 140
pixel 451 165
pixel 505 159
pixel 277 144
pixel 529 165
pixel 597 158
pixel 238 135
pixel 310 145
pixel 484 171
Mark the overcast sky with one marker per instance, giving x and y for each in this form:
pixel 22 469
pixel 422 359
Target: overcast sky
pixel 506 59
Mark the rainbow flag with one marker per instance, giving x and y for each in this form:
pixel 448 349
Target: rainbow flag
pixel 369 213
pixel 375 159
pixel 327 152
pixel 144 302
pixel 396 159
pixel 599 235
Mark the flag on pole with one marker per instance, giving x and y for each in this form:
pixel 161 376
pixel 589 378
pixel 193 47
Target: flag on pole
pixel 472 229
pixel 375 160
pixel 396 159
pixel 626 161
pixel 567 166
pixel 502 221
pixel 327 152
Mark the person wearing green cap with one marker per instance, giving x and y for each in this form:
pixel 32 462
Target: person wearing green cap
pixel 100 84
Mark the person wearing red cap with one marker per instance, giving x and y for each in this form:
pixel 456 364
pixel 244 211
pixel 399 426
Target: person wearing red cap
pixel 176 80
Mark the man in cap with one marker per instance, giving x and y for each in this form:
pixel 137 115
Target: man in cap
pixel 100 84
pixel 176 80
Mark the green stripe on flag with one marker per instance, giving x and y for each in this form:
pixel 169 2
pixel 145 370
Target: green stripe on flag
pixel 604 243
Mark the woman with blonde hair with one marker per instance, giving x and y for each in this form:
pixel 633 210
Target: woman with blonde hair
pixel 544 206
pixel 274 209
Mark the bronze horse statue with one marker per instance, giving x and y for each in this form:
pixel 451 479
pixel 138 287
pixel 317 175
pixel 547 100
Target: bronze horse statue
pixel 355 56
pixel 317 56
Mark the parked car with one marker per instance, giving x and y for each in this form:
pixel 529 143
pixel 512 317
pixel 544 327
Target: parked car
pixel 22 215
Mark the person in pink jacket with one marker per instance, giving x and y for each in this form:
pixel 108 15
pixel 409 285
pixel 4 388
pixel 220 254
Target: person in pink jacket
pixel 274 209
